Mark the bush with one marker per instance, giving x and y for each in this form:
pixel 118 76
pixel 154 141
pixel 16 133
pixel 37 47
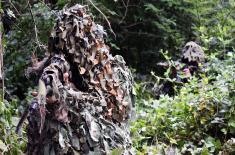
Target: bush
pixel 200 118
pixel 10 142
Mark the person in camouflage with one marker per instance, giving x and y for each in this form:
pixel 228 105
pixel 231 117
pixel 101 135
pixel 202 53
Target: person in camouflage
pixel 192 60
pixel 84 102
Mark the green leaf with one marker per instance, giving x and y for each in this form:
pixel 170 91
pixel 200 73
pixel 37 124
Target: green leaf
pixel 224 131
pixel 117 151
pixel 231 123
pixel 173 141
pixel 205 151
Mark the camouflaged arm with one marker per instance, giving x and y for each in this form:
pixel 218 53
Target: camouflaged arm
pixel 50 84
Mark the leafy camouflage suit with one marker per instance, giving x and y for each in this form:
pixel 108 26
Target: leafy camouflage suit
pixel 85 99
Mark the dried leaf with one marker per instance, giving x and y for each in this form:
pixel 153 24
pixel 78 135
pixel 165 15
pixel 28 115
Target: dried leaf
pixel 82 70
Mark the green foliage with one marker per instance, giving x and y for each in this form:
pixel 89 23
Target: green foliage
pixel 198 119
pixel 143 28
pixel 21 42
pixel 215 26
pixel 10 143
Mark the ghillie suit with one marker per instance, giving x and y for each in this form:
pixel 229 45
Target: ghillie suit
pixel 85 97
pixel 192 58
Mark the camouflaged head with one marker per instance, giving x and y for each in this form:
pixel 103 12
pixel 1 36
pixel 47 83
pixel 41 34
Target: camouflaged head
pixel 192 52
pixel 75 34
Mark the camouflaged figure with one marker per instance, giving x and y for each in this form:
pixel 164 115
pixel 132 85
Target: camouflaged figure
pixel 190 64
pixel 85 94
pixel 193 57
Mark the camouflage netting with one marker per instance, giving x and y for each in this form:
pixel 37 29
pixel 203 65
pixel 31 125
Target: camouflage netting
pixel 193 53
pixel 85 94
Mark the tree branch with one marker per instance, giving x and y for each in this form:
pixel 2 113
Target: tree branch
pixel 35 26
pixel 126 6
pixel 103 16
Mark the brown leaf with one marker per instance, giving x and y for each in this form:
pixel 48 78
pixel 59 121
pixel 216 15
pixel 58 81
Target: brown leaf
pixel 100 76
pixel 82 70
pixel 113 92
pixel 119 95
pixel 108 68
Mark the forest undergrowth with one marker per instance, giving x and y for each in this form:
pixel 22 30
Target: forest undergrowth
pixel 199 118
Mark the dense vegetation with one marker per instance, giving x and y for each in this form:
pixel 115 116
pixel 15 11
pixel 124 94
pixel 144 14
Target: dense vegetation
pixel 198 119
